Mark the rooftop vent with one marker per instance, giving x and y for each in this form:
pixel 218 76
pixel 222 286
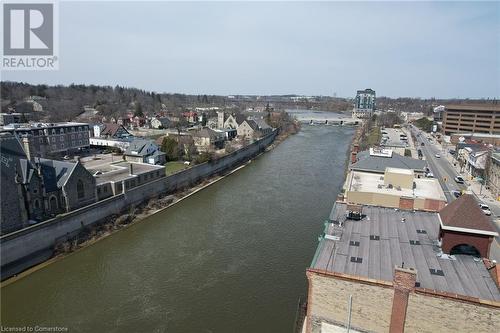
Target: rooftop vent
pixel 435 271
pixel 379 186
pixel 357 260
pixel 389 186
pixel 414 242
pixel 421 231
pixel 354 243
pixel 374 237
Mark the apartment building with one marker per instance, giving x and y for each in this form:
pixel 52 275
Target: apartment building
pixel 471 118
pixel 364 104
pixel 50 140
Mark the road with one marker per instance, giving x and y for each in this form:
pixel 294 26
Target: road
pixel 445 173
pixel 440 167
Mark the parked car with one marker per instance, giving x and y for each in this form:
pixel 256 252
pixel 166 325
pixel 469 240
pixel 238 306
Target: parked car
pixel 486 210
pixel 437 156
pixel 429 175
pixel 459 180
pixel 422 144
pixel 456 194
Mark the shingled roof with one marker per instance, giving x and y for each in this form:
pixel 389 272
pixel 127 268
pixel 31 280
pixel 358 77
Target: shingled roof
pixel 465 215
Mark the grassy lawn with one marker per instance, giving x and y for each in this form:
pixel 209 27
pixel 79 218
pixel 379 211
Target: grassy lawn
pixel 173 167
pixel 374 137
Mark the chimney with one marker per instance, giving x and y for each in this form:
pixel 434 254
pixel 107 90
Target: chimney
pixel 353 157
pixel 403 283
pixel 131 169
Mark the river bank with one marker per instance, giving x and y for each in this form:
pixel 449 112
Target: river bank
pixel 230 258
pixel 111 224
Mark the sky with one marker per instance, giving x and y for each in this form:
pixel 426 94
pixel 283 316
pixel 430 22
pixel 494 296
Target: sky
pixel 399 49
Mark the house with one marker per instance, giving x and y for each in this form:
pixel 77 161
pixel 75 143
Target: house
pixel 493 174
pixel 190 116
pixel 160 122
pixel 248 129
pixel 207 139
pixel 144 151
pixel 473 158
pixel 233 121
pixel 212 123
pixel 186 143
pixel 110 130
pixel 138 121
pixel 263 128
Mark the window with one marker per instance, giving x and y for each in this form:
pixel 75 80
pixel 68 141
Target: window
pixel 37 204
pixel 80 190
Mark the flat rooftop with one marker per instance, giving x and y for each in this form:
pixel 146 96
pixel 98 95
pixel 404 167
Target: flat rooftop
pixel 382 241
pixel 428 188
pixel 120 171
pixel 473 107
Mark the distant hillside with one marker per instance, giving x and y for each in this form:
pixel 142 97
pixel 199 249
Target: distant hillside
pixel 65 103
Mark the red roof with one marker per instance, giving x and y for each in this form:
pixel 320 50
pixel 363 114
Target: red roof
pixel 465 213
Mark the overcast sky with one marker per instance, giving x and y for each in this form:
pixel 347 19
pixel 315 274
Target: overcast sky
pixel 419 49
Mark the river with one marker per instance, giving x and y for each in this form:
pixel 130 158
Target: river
pixel 231 258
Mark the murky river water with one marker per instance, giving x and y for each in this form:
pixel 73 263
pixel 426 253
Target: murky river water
pixel 231 258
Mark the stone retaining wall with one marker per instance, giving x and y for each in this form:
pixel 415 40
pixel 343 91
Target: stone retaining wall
pixel 29 246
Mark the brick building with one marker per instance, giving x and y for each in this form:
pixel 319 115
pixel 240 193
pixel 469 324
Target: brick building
pixel 482 118
pixel 388 273
pixel 464 227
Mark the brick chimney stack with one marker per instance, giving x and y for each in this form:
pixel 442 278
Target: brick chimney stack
pixel 354 157
pixel 404 283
